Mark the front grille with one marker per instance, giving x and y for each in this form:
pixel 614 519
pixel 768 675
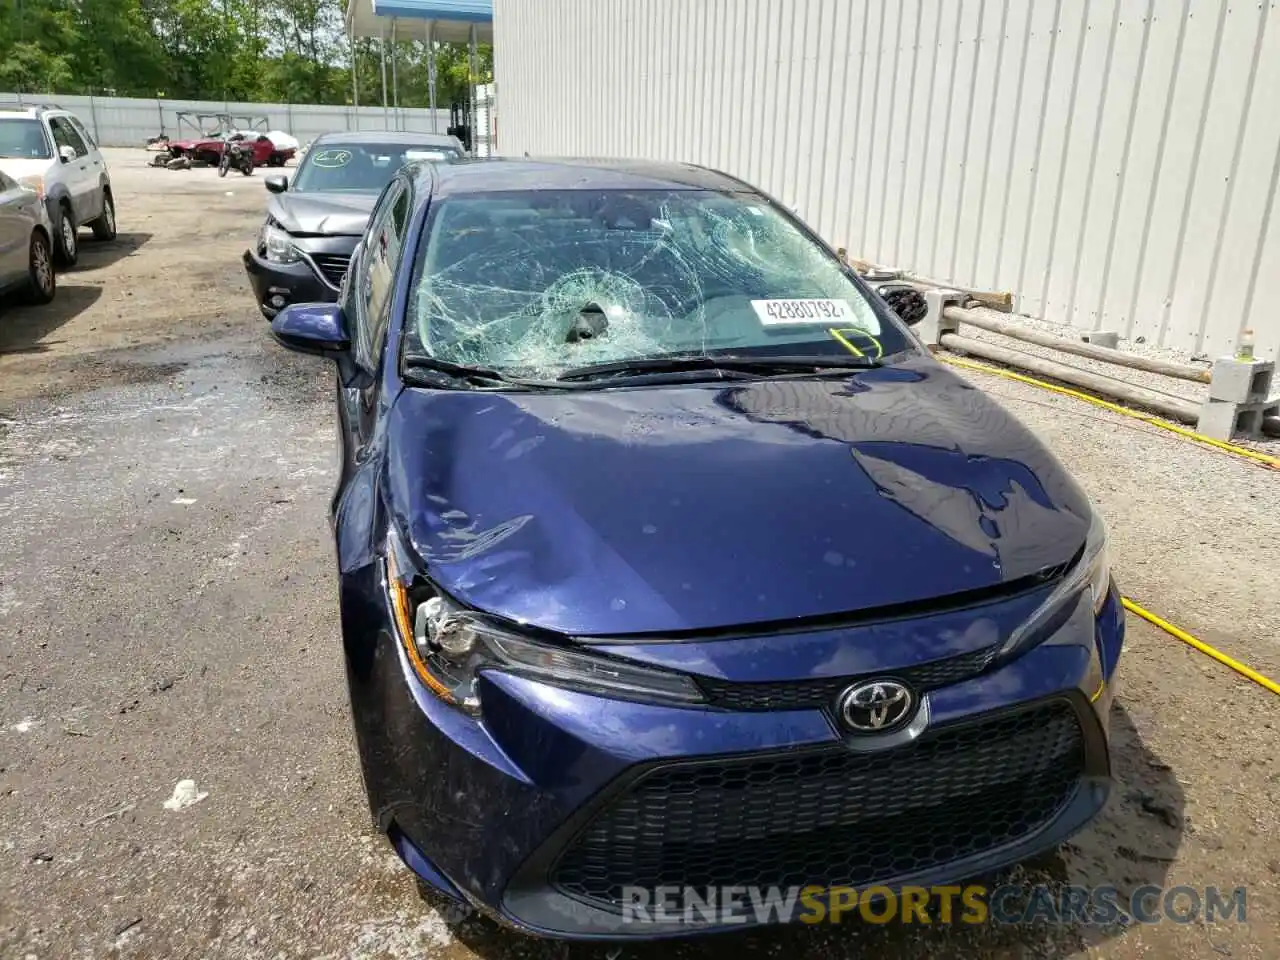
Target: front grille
pixel 806 694
pixel 832 816
pixel 333 266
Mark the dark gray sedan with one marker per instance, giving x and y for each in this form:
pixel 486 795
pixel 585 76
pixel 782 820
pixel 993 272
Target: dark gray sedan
pixel 314 223
pixel 26 248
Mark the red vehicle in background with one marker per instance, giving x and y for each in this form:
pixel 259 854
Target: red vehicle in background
pixel 212 131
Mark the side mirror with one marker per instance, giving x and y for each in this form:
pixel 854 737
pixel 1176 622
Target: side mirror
pixel 319 329
pixel 67 154
pixel 277 183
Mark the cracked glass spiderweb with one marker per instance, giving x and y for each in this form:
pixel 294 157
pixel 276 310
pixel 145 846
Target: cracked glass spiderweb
pixel 506 276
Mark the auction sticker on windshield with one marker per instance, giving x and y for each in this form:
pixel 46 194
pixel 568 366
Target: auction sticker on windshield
pixel 775 312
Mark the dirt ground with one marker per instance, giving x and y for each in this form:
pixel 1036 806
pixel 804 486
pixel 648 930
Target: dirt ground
pixel 168 611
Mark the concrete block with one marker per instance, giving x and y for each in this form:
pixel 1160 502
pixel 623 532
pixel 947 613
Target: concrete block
pixel 1241 381
pixel 934 325
pixel 1222 420
pixel 1103 338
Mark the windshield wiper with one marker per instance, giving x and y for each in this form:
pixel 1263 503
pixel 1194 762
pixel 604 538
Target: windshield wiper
pixel 482 376
pixel 761 366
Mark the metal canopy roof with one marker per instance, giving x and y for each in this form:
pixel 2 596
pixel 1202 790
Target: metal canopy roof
pixel 449 21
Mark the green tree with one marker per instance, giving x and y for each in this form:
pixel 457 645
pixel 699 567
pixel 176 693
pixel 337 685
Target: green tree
pixel 38 39
pixel 244 50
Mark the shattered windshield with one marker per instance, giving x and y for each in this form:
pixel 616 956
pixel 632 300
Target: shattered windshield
pixel 360 167
pixel 536 283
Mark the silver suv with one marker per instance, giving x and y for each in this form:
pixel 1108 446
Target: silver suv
pixel 50 151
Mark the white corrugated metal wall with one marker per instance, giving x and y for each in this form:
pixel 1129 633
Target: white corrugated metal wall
pixel 1112 162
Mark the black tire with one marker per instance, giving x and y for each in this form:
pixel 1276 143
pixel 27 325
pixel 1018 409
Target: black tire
pixel 907 302
pixel 224 164
pixel 42 280
pixel 104 228
pixel 275 160
pixel 67 247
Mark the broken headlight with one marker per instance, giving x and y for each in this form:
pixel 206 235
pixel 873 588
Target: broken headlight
pixel 450 648
pixel 276 245
pixel 1091 572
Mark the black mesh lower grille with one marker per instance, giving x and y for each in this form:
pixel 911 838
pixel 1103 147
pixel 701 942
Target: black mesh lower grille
pixel 808 694
pixel 831 816
pixel 333 266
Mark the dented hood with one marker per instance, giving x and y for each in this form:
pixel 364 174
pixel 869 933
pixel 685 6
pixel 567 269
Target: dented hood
pixel 678 508
pixel 331 214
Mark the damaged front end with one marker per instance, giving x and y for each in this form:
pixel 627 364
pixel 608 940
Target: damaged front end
pixel 652 512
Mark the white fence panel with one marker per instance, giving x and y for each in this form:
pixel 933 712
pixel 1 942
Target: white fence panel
pixel 128 122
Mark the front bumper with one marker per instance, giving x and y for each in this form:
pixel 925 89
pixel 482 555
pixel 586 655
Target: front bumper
pixel 536 813
pixel 276 285
pixel 315 278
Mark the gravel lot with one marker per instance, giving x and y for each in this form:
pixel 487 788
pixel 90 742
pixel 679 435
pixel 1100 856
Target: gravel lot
pixel 168 611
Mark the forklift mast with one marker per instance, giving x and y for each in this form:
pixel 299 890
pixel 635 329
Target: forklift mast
pixel 460 123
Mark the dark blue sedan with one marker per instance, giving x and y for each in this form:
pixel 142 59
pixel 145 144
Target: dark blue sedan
pixel 673 569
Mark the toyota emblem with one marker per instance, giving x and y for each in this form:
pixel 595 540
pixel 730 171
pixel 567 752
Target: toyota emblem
pixel 878 706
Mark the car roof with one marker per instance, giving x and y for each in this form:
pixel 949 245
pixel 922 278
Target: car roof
pixel 493 174
pixel 37 112
pixel 388 136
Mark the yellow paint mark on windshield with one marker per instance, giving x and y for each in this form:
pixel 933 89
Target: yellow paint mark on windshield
pixel 850 337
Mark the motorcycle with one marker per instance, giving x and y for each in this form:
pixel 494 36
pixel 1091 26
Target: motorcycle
pixel 236 154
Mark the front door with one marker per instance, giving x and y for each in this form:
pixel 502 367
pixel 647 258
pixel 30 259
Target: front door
pixel 97 166
pixel 81 177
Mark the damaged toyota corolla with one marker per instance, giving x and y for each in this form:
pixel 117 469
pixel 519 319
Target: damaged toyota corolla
pixel 675 574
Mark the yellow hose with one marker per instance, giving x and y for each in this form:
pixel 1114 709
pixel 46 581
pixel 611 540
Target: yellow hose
pixel 1273 462
pixel 1147 615
pixel 1203 647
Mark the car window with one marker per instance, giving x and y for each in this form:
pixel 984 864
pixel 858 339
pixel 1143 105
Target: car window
pixel 398 228
pixel 506 278
pixel 400 215
pixel 23 138
pixel 341 167
pixel 381 255
pixel 64 135
pixel 5 183
pixel 84 133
